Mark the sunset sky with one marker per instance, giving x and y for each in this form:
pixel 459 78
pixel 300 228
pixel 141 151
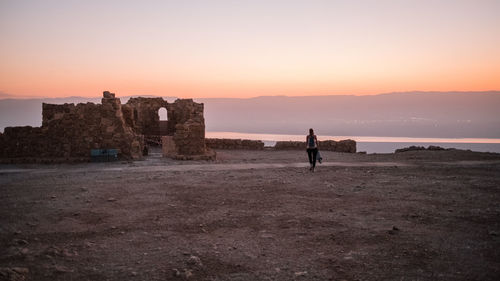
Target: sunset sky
pixel 247 48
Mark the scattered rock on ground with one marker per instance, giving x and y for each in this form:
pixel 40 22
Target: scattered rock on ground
pixel 194 261
pixel 13 273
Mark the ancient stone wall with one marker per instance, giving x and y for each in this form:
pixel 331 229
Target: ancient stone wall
pixel 69 132
pixel 170 150
pixel 329 145
pixel 168 146
pixel 234 144
pixel 417 148
pixel 142 115
pixel 189 136
pixel 23 143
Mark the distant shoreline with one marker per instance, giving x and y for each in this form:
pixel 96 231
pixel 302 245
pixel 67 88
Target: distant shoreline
pixel 293 137
pixel 374 144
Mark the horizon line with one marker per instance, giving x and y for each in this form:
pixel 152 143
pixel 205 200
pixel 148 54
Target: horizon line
pixel 295 137
pixel 5 96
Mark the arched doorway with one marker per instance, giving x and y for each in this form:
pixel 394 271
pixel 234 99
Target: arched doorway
pixel 163 116
pixel 162 113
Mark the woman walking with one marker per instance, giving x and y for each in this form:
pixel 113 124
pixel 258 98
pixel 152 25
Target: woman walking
pixel 312 149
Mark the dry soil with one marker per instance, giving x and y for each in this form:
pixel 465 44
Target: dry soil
pixel 255 215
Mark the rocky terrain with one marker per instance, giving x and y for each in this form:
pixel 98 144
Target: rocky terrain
pixel 255 215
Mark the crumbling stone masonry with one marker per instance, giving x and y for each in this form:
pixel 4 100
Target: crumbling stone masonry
pixel 69 132
pixel 142 115
pixel 348 146
pixel 186 121
pixel 182 135
pixel 235 144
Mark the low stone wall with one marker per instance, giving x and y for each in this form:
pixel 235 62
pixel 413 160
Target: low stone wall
pixel 348 146
pixel 25 143
pixel 189 138
pixel 290 145
pixel 170 150
pixel 416 148
pixel 234 144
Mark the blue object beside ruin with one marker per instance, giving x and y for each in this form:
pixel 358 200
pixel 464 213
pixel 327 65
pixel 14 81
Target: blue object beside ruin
pixel 103 155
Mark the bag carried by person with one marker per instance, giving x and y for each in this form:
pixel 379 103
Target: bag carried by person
pixel 318 156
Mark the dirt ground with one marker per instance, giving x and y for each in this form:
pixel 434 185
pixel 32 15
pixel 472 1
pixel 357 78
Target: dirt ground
pixel 255 215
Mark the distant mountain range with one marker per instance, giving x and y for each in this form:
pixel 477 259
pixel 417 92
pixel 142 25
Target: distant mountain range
pixel 409 114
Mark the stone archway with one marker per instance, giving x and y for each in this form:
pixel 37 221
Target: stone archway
pixel 146 114
pixel 162 114
pixel 163 121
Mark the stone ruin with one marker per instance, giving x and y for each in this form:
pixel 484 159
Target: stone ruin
pixel 69 132
pixel 346 146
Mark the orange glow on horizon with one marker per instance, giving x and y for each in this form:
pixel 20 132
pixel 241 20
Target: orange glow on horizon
pixel 195 90
pixel 68 84
pixel 204 49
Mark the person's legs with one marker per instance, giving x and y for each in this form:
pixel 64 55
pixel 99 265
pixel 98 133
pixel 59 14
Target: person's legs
pixel 309 155
pixel 314 153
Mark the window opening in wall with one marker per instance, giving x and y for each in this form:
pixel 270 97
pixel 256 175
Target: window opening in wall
pixel 162 112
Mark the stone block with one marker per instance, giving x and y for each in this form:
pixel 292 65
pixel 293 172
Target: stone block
pixel 108 95
pixel 168 146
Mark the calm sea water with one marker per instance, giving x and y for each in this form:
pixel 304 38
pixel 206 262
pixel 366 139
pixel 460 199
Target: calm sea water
pixel 374 144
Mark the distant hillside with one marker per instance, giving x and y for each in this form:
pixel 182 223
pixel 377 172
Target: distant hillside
pixel 412 114
pixel 28 112
pixel 416 114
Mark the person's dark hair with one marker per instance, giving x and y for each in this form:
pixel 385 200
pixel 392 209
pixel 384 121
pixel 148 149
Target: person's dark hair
pixel 311 132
